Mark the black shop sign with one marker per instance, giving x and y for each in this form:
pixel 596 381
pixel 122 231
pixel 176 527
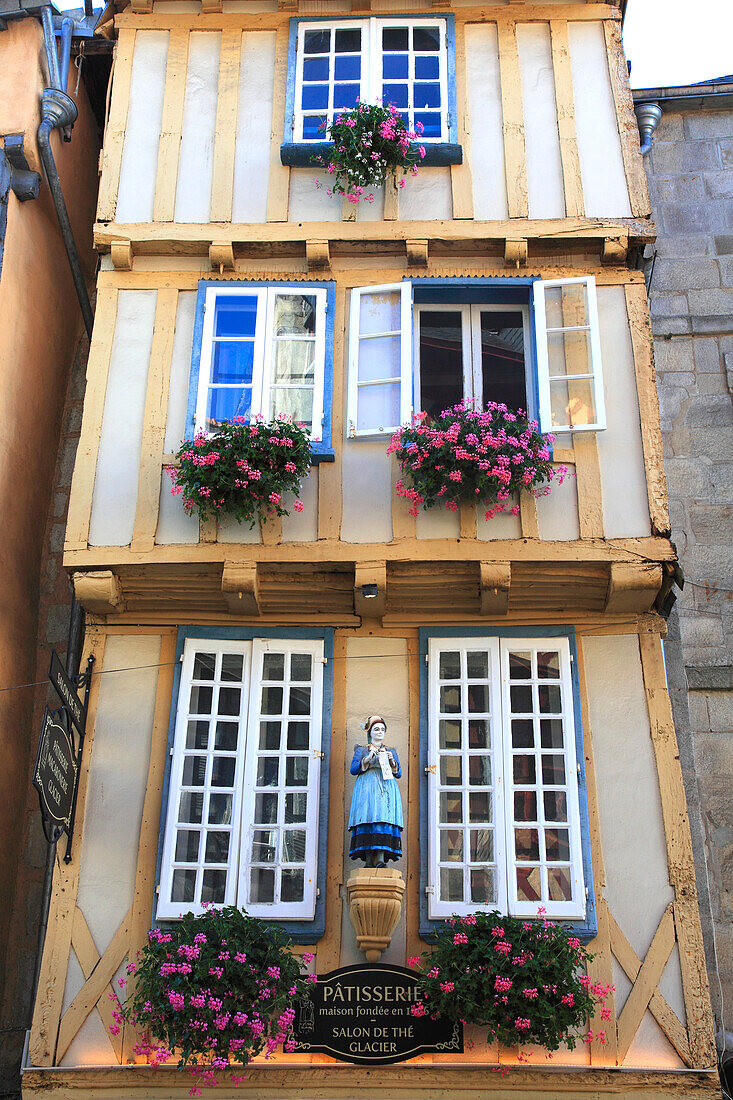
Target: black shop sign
pixel 362 1014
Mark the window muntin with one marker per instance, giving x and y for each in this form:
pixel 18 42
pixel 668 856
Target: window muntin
pixel 569 355
pixel 394 61
pixel 472 352
pixel 242 818
pixel 501 733
pixel 262 354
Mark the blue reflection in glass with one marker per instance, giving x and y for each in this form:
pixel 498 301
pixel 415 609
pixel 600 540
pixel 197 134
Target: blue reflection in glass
pixel 233 362
pixel 314 126
pixel 226 404
pixel 345 95
pixel 395 94
pixel 315 97
pixel 427 95
pixel 236 315
pixel 315 68
pixel 427 68
pixel 395 67
pixel 348 66
pixel 431 123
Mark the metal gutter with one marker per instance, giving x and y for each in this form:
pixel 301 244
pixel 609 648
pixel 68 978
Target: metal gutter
pixel 691 97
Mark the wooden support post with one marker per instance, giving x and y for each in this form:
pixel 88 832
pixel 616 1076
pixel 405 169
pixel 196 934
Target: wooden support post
pixel 627 125
pixel 588 481
pixel 461 177
pixel 391 197
pixel 637 307
pixel 114 138
pixel 329 948
pixel 528 515
pixel 700 1026
pixel 221 256
pixel 227 106
pixel 154 421
pixel 171 126
pixel 515 252
pixel 615 249
pixel 240 587
pixel 318 255
pixel 633 586
pixel 495 578
pixel 369 575
pixel 278 197
pixel 565 106
pixel 417 252
pixel 467 520
pixel 121 255
pixel 515 155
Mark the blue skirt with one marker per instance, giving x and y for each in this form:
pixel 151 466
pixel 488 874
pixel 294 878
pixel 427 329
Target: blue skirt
pixel 377 836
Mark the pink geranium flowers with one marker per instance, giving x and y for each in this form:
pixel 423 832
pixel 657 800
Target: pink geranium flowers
pixel 484 456
pixel 370 143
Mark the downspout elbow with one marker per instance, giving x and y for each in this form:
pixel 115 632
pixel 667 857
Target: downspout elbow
pixel 648 117
pixel 58 110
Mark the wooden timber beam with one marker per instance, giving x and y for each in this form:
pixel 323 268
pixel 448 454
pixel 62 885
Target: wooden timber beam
pixel 221 256
pixel 240 587
pixel 515 251
pixel 368 575
pixel 318 255
pixel 495 579
pixel 417 252
pixel 633 586
pixel 615 249
pixel 99 593
pixel 121 253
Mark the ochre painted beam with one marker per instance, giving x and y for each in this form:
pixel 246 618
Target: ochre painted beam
pixel 121 254
pixel 633 586
pixel 221 256
pixel 99 593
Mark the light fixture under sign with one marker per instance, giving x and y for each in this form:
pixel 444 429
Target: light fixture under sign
pixel 369 591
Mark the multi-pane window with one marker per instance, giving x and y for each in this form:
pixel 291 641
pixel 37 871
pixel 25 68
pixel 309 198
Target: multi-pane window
pixel 380 396
pixel 503 809
pixel 262 354
pixel 569 355
pixel 399 62
pixel 242 820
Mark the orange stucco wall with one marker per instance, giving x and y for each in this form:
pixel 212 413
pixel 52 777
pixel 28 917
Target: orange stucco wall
pixel 40 325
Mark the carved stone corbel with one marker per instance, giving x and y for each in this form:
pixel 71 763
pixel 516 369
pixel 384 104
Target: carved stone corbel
pixel 374 896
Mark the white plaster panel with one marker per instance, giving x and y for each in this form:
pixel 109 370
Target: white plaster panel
pixel 303 526
pixel 139 165
pixel 367 491
pixel 91 1046
pixel 254 126
pixel 427 196
pixel 180 378
pixel 231 531
pixel 309 203
pixel 438 523
pixel 620 455
pixel 486 122
pixel 174 526
pixel 599 145
pixel 74 981
pixel 196 158
pixel 117 782
pixel 371 211
pixel 542 139
pixel 670 984
pixel 118 461
pixel 502 526
pixel 651 1047
pixel 376 683
pixel 630 809
pixel 557 513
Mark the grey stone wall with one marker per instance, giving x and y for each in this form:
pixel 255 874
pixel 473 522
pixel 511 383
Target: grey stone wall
pixel 690 172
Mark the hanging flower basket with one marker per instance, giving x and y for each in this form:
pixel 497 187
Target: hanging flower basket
pixel 370 143
pixel 243 470
pixel 523 980
pixel 465 454
pixel 217 989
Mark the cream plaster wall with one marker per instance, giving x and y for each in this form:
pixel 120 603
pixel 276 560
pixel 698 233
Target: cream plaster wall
pixel 138 170
pixel 254 124
pixel 196 158
pixel 486 120
pixel 542 140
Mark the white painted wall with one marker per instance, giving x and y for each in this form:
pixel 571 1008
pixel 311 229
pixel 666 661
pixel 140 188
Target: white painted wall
pixel 427 196
pixel 485 115
pixel 599 146
pixel 309 202
pixel 254 125
pixel 557 513
pixel 196 160
pixel 620 455
pixel 118 462
pixel 367 491
pixel 139 164
pixel 376 685
pixel 542 140
pixel 303 526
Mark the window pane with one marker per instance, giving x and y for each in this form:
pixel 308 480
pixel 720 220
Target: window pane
pixel 194 771
pixel 315 97
pixel 200 700
pixel 272 700
pixel 480 807
pixel 449 734
pixel 268 768
pixel 225 404
pixel 300 666
pixel 441 360
pixel 233 363
pixel 197 735
pixel 548 665
pixel 451 808
pixel 572 403
pixel 478 734
pixel 231 667
pixel 266 809
pixel 559 883
pixel 477 665
pixel 262 885
pixel 427 68
pixel 395 38
pixel 430 122
pixel 451 773
pixel 379 359
pixel 297 404
pixel 527 844
pixel 520 666
pixel 220 809
pixel 524 769
pixel 222 772
pixel 295 315
pixel 525 805
pixel 348 40
pixel 483 887
pixel 315 68
pixel 269 735
pixel 395 95
pixel 522 733
pixel 566 305
pixel 217 848
pixel 273 666
pixel 298 735
pixel 482 845
pixel 184 885
pixel 449 666
pixel 314 126
pixel 294 846
pixel 553 770
pixel 451 845
pixel 551 733
pixel 479 771
pixel 236 315
pixel 203 666
pixel 380 312
pixel 502 358
pixel 395 66
pixel 226 736
pixel 450 700
pixel 264 846
pixel 187 846
pixel 229 700
pixel 426 39
pixel 300 700
pixel 296 771
pixel 347 67
pixel 478 698
pixel 345 95
pixel 426 95
pixel 520 697
pixel 293 885
pixel 379 407
pixel 556 806
pixel 451 884
pixel 295 807
pixel 317 41
pixel 549 699
pixel 191 807
pixel 557 844
pixel 529 884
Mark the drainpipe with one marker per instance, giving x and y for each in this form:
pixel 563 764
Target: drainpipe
pixel 648 116
pixel 58 109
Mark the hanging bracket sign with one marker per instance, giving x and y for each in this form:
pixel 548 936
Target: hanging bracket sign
pixel 361 1014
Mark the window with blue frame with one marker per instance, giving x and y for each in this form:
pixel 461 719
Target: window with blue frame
pixel 504 804
pixel 263 350
pixel 426 344
pixel 405 62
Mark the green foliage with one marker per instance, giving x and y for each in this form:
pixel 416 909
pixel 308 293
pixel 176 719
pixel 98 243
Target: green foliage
pixel 243 470
pixel 521 979
pixel 370 142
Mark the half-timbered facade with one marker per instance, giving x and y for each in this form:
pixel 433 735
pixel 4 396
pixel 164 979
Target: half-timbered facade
pixel 517 660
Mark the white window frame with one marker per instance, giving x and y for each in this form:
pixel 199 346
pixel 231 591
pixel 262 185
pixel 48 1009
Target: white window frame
pixel 241 826
pixel 595 375
pixel 471 339
pixel 507 902
pixel 371 68
pixel 266 296
pixel 405 378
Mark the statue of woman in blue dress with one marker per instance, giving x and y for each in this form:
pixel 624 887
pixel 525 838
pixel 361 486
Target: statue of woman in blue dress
pixel 375 820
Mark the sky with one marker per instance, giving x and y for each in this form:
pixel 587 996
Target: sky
pixel 671 42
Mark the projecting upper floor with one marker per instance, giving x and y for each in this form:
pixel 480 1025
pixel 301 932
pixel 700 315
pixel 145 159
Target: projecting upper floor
pixel 218 117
